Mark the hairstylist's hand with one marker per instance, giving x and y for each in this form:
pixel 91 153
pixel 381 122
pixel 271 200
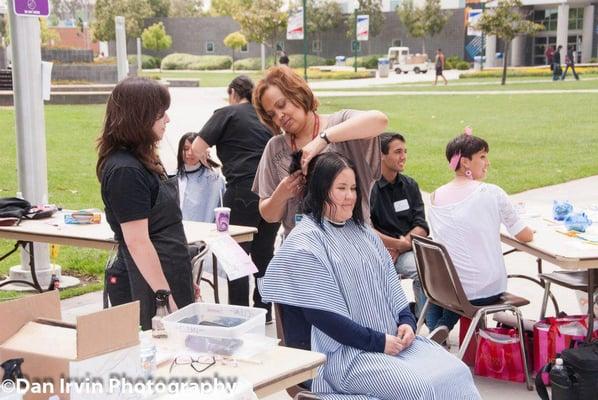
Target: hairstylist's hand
pixel 406 335
pixel 311 150
pixel 393 345
pixel 291 186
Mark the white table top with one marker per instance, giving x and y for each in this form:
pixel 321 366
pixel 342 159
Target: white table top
pixel 552 244
pixel 100 236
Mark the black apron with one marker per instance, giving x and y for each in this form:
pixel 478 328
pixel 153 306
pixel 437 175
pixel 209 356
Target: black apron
pixel 168 237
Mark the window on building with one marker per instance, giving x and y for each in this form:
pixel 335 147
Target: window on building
pixel 547 17
pixel 210 47
pixel 244 48
pixel 397 43
pixel 576 18
pixel 316 46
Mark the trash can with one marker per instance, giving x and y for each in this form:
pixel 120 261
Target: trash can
pixel 477 63
pixel 383 67
pixel 340 60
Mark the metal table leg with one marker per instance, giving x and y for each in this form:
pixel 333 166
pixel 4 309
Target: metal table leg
pixel 35 284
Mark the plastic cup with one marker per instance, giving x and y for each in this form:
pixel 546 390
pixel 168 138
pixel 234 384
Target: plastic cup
pixel 222 218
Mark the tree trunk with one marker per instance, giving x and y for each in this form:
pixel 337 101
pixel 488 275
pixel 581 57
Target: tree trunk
pixel 504 62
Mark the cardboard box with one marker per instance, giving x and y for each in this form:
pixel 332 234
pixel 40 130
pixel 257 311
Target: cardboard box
pixel 102 343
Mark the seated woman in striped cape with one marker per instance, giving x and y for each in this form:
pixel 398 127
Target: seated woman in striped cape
pixel 336 271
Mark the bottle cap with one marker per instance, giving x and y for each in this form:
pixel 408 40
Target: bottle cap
pixel 558 361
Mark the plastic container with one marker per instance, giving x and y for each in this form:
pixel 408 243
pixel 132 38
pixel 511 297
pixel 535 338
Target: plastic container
pixel 340 60
pixel 215 328
pixel 577 222
pixel 562 387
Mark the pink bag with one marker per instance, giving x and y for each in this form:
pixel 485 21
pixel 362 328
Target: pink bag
pixel 499 355
pixel 553 335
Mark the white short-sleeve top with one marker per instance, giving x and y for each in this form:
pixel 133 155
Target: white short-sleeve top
pixel 470 230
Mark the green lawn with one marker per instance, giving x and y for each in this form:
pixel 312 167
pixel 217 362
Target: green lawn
pixel 535 140
pixel 207 78
pixel 591 82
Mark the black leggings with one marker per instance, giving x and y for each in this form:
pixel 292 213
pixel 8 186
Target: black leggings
pixel 244 205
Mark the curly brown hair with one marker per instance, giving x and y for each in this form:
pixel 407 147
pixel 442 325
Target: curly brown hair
pixel 292 86
pixel 133 107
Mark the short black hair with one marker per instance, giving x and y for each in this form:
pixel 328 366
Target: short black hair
pixel 322 171
pixel 466 145
pixel 386 139
pixel 243 87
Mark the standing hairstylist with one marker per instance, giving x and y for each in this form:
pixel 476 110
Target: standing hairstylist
pixel 240 138
pixel 141 203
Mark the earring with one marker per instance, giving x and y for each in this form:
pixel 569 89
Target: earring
pixel 468 174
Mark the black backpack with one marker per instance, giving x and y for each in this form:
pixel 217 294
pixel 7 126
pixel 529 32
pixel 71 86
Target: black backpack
pixel 14 209
pixel 581 366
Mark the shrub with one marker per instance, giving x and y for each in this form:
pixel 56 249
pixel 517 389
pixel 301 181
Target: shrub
pixel 462 65
pixel 189 61
pixel 330 61
pixel 315 73
pixel 368 62
pixel 147 62
pixel 452 62
pixel 253 63
pixel 523 72
pixel 296 60
pixel 594 60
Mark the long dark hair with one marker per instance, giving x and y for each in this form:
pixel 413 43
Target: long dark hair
pixel 133 107
pixel 322 171
pixel 180 156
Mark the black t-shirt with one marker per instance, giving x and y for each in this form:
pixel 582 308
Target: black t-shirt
pixel 397 208
pixel 129 190
pixel 240 138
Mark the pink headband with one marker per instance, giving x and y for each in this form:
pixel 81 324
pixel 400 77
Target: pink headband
pixel 454 163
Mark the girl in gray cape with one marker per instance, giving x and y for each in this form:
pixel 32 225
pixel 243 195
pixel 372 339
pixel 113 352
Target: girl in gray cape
pixel 335 270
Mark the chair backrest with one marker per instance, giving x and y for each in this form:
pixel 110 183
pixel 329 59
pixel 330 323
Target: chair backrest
pixel 439 278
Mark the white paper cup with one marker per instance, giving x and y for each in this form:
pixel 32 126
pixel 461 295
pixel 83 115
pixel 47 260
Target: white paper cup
pixel 222 218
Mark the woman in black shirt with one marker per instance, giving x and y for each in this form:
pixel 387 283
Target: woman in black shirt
pixel 141 203
pixel 240 139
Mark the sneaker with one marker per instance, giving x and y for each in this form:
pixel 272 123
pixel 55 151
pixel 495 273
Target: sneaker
pixel 439 335
pixel 269 319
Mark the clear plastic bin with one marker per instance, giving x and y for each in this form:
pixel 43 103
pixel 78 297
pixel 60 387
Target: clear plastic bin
pixel 215 328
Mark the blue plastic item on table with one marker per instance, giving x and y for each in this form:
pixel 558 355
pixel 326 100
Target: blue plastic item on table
pixel 560 209
pixel 577 222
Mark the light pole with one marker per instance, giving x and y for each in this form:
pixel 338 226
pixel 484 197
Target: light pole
pixel 305 40
pixel 355 42
pixel 483 39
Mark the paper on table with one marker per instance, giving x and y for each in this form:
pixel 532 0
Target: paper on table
pixel 233 259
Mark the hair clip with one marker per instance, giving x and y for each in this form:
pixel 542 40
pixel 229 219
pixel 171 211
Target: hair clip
pixel 454 163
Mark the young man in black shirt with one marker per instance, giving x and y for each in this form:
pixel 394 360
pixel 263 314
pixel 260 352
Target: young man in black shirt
pixel 397 210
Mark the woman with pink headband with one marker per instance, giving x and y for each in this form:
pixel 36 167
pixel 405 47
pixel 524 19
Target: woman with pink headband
pixel 465 217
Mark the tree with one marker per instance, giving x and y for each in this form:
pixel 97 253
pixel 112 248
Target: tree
pixel 505 22
pixel 3 27
pixel 155 38
pixel 160 8
pixel 134 11
pixel 220 8
pixel 235 41
pixel 373 8
pixel 263 21
pixel 412 18
pixel 323 16
pixel 186 8
pixel 49 37
pixel 429 20
pixel 71 9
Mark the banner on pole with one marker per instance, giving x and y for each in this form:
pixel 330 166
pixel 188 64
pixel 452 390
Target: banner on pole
pixel 32 8
pixel 363 27
pixel 472 19
pixel 295 25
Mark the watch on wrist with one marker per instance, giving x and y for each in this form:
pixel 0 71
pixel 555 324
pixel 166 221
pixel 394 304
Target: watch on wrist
pixel 324 135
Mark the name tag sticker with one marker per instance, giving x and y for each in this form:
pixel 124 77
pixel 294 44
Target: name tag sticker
pixel 401 205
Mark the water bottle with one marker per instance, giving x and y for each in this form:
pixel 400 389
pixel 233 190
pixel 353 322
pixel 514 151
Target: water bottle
pixel 162 310
pixel 147 352
pixel 562 387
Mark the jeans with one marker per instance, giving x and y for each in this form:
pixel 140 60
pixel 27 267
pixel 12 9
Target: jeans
pixel 405 267
pixel 244 211
pixel 438 316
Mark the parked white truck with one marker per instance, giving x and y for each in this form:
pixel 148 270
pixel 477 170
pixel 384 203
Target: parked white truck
pixel 401 61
